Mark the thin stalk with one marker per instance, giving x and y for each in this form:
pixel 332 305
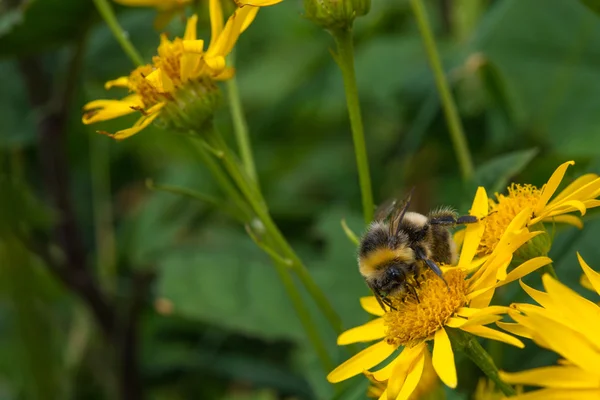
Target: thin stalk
pixel 304 315
pixel 455 127
pixel 108 14
pixel 468 344
pixel 345 60
pixel 257 203
pixel 280 265
pixel 223 180
pixel 240 127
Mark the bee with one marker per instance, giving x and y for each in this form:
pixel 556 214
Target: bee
pixel 399 245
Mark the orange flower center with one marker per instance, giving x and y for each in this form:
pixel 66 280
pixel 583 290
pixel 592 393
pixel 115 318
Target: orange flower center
pixel 415 319
pixel 503 210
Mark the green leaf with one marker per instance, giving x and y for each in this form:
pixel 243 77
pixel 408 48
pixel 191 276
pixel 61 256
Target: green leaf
pixel 18 119
pixel 593 5
pixel 46 24
pixel 9 18
pixel 20 209
pixel 495 174
pixel 548 55
pixel 226 281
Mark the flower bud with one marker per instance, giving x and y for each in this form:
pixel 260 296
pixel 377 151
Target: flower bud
pixel 537 247
pixel 193 106
pixel 335 14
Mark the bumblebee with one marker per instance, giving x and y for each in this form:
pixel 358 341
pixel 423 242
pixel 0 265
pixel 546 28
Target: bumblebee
pixel 399 245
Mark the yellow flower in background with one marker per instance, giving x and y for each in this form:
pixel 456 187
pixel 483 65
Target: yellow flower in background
pixel 180 83
pixel 580 195
pixel 167 9
pixel 462 304
pixel 569 325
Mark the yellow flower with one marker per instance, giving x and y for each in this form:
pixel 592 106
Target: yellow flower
pixel 486 390
pixel 257 3
pixel 580 195
pixel 462 304
pixel 180 81
pixel 569 325
pixel 428 385
pixel 167 9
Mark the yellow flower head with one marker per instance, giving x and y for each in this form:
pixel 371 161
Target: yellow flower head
pixel 580 195
pixel 167 9
pixel 463 304
pixel 180 83
pixel 569 325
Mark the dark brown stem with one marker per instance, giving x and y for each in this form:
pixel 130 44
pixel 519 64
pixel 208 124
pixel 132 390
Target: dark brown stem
pixel 73 271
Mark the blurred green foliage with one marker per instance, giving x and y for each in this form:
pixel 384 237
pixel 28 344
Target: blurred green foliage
pixel 216 322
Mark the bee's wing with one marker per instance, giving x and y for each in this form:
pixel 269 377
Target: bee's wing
pixel 385 210
pixel 399 212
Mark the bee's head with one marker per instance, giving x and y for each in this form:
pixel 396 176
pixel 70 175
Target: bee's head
pixel 396 272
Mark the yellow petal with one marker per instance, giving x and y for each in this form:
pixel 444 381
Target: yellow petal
pixel 223 45
pixel 515 329
pixel 190 28
pixel 372 330
pixel 257 3
pixel 216 20
pixel 493 334
pixel 119 82
pixel 558 394
pixel 216 63
pixel 583 314
pixel 593 276
pixel 370 305
pixel 443 358
pixel 405 361
pixel 189 66
pixel 102 110
pixel 558 377
pixel 383 374
pixel 454 322
pixel 366 359
pixel 574 186
pixel 566 342
pixel 160 81
pixel 543 299
pixel 413 378
pixel 474 232
pixel 585 192
pixel 459 237
pixel 226 74
pixel 524 269
pixel 565 219
pixel 193 46
pixel 141 123
pixel 551 186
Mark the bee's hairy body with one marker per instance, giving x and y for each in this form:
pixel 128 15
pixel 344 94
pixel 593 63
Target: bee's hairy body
pixel 393 258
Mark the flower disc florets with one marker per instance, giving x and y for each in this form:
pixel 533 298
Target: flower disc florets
pixel 503 210
pixel 415 320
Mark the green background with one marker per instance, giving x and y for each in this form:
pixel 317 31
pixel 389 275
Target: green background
pixel 230 332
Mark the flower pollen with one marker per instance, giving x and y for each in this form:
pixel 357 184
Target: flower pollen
pixel 503 210
pixel 415 320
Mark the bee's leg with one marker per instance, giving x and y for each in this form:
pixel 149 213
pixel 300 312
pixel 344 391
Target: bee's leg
pixel 388 303
pixel 450 218
pixel 433 266
pixel 412 291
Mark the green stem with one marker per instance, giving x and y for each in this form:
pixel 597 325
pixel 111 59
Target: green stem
pixel 223 180
pixel 345 60
pixel 240 127
pixel 304 315
pixel 106 10
pixel 257 203
pixel 468 344
pixel 280 265
pixel 457 134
